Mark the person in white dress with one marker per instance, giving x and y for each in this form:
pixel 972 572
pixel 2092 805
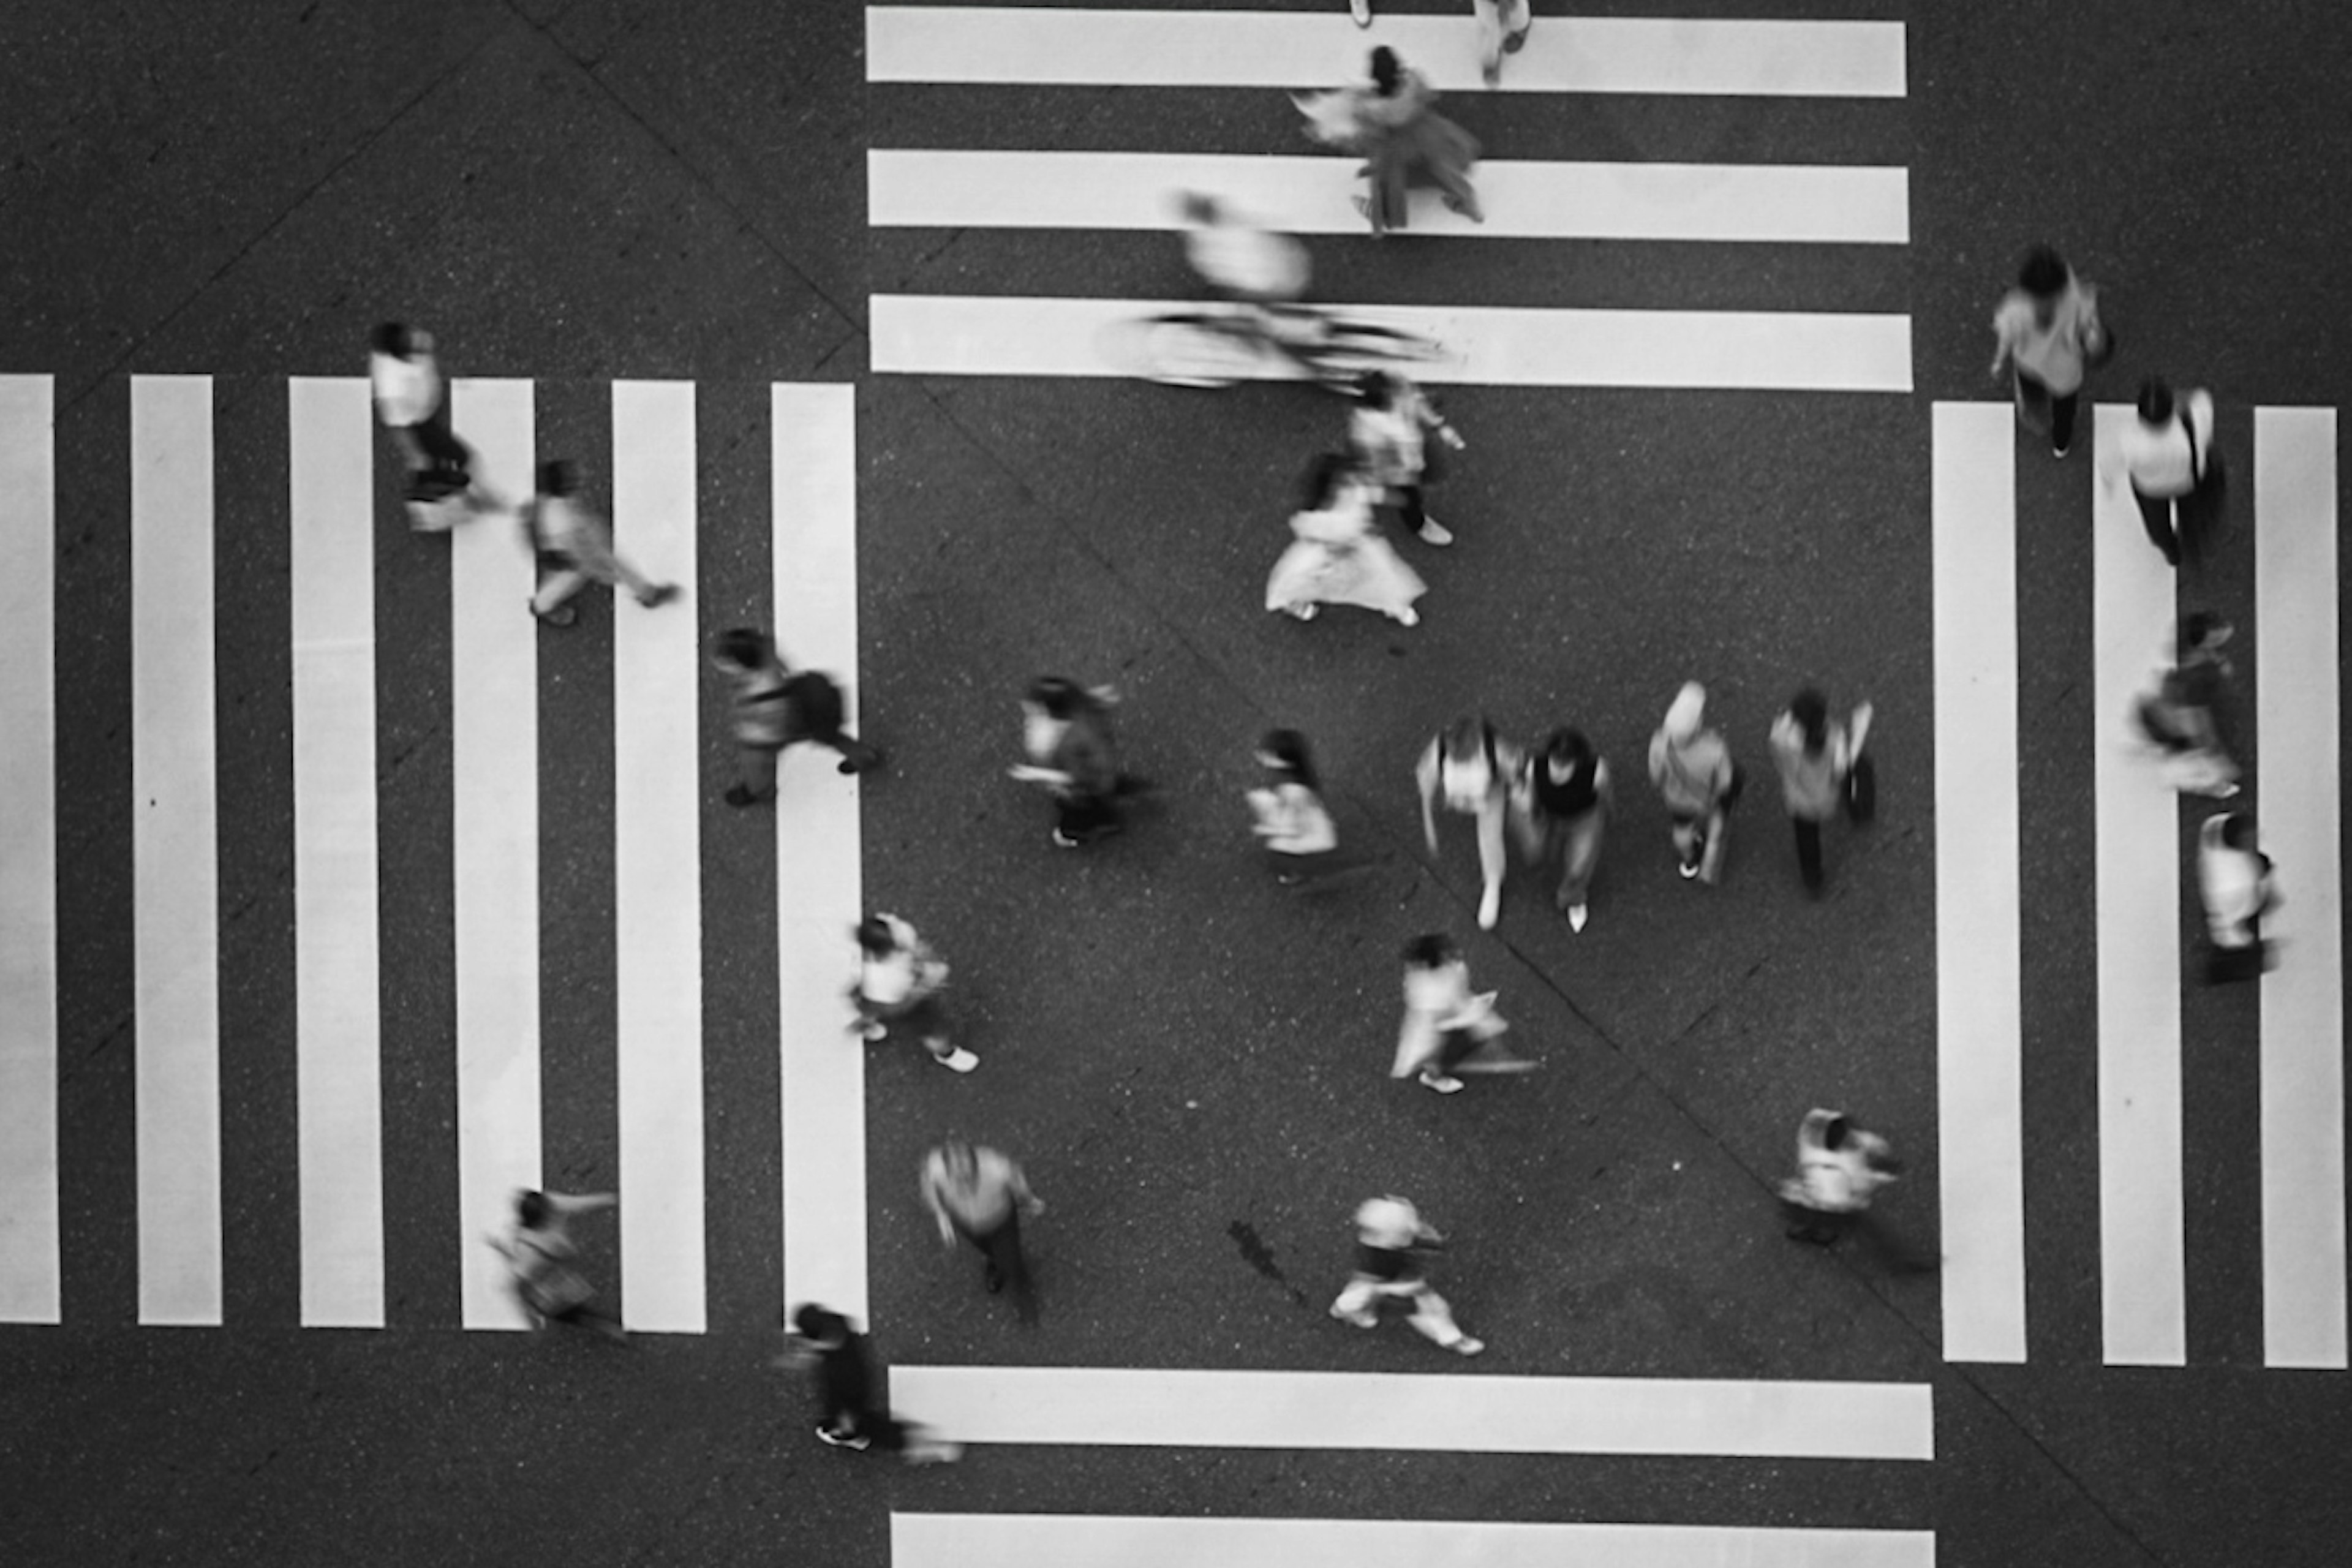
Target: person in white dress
pixel 1338 556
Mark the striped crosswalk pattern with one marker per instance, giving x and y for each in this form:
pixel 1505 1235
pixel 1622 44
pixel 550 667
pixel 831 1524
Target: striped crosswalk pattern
pixel 2142 890
pixel 1575 343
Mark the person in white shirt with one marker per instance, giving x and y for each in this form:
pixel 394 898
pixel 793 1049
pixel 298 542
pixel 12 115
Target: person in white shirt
pixel 2234 880
pixel 980 1194
pixel 2047 332
pixel 1471 768
pixel 1391 1239
pixel 1447 1027
pixel 1239 260
pixel 1389 430
pixel 575 546
pixel 412 401
pixel 2166 454
pixel 1302 843
pixel 899 979
pixel 1840 1169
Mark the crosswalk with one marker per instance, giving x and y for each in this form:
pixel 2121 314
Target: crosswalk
pixel 1070 191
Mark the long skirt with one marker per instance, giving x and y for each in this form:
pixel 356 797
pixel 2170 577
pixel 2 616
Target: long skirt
pixel 1368 574
pixel 1430 150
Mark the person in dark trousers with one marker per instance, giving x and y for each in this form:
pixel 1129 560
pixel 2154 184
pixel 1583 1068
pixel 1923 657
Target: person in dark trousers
pixel 2048 334
pixel 774 707
pixel 1814 755
pixel 850 1415
pixel 1697 781
pixel 1390 431
pixel 1066 734
pixel 539 1254
pixel 1563 802
pixel 1840 1166
pixel 899 980
pixel 980 1194
pixel 2234 882
pixel 2166 456
pixel 412 401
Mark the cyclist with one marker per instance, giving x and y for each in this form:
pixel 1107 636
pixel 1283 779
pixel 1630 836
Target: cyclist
pixel 1257 270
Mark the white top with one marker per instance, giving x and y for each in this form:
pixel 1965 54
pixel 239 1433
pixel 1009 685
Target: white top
pixel 2232 882
pixel 1390 438
pixel 1292 818
pixel 1248 261
pixel 406 390
pixel 2052 354
pixel 2158 459
pixel 1838 1180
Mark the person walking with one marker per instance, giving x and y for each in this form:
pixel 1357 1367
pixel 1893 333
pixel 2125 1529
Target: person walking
pixel 1065 732
pixel 1815 755
pixel 1301 840
pixel 2047 333
pixel 1390 121
pixel 822 1343
pixel 539 1254
pixel 2233 881
pixel 1471 768
pixel 1337 555
pixel 1696 779
pixel 1391 1243
pixel 772 707
pixel 412 401
pixel 979 1194
pixel 1389 430
pixel 2177 715
pixel 2166 455
pixel 899 979
pixel 574 546
pixel 1562 805
pixel 1841 1167
pixel 1447 1028
pixel 1502 30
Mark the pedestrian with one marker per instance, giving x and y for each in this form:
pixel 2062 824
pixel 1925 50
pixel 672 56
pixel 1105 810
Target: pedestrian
pixel 574 546
pixel 822 1343
pixel 1840 1166
pixel 1562 806
pixel 979 1194
pixel 1405 142
pixel 1301 840
pixel 899 979
pixel 1238 259
pixel 1362 11
pixel 2166 454
pixel 1389 431
pixel 1065 732
pixel 1447 1028
pixel 774 707
pixel 1391 1243
pixel 2178 714
pixel 412 401
pixel 1816 756
pixel 1502 29
pixel 1699 782
pixel 2234 880
pixel 1471 768
pixel 539 1254
pixel 1337 555
pixel 2047 333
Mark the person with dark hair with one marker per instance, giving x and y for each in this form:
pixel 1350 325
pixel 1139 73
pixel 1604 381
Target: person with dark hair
pixel 1447 1028
pixel 772 707
pixel 2179 715
pixel 574 546
pixel 1391 1241
pixel 2233 881
pixel 1388 120
pixel 1814 755
pixel 1237 260
pixel 979 1196
pixel 850 1415
pixel 1840 1166
pixel 1697 781
pixel 1337 555
pixel 1389 431
pixel 2166 455
pixel 2047 332
pixel 1065 732
pixel 412 401
pixel 1562 803
pixel 1301 842
pixel 1471 768
pixel 539 1254
pixel 899 979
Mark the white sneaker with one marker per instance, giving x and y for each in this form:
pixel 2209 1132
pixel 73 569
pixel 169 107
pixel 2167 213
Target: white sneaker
pixel 1490 909
pixel 1432 532
pixel 1577 915
pixel 871 1032
pixel 957 1060
pixel 1362 11
pixel 1305 611
pixel 1466 1345
pixel 1361 1320
pixel 1408 616
pixel 1440 1083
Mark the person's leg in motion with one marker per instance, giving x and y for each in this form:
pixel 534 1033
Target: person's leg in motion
pixel 2061 423
pixel 1809 851
pixel 1581 857
pixel 1491 859
pixel 758 782
pixel 1355 1303
pixel 856 756
pixel 552 604
pixel 1008 1269
pixel 2155 515
pixel 1434 1320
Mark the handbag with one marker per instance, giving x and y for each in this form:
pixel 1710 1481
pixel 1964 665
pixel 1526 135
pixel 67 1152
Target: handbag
pixel 1862 790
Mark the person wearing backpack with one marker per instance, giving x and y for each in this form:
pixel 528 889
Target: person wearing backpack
pixel 774 707
pixel 1815 755
pixel 2166 456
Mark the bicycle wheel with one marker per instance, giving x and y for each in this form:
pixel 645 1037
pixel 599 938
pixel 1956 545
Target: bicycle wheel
pixel 1197 350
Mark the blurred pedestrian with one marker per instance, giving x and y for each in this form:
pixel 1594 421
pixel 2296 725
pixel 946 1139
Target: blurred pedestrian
pixel 2047 333
pixel 1389 430
pixel 1238 259
pixel 979 1194
pixel 1816 756
pixel 2166 454
pixel 2178 716
pixel 2233 880
pixel 1502 29
pixel 1362 11
pixel 1391 1244
pixel 1699 782
pixel 772 707
pixel 1302 843
pixel 1337 555
pixel 1065 732
pixel 412 401
pixel 574 546
pixel 1447 1029
pixel 1405 142
pixel 1471 768
pixel 1562 805
pixel 539 1254
pixel 1840 1166
pixel 899 979
pixel 822 1343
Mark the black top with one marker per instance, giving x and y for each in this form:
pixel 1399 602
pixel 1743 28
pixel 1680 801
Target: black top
pixel 1579 794
pixel 1386 1264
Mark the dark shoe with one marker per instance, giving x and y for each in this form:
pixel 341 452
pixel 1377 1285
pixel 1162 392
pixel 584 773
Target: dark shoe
pixel 561 616
pixel 661 595
pixel 993 1278
pixel 1513 43
pixel 737 795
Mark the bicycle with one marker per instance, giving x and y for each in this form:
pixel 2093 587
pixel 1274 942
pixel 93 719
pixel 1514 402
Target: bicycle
pixel 1214 346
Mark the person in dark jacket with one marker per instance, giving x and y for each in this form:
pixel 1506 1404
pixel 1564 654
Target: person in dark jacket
pixel 1066 734
pixel 775 707
pixel 850 1413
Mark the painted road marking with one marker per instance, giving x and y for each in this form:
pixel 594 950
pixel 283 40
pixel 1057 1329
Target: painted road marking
pixel 494 755
pixel 1979 1025
pixel 1788 204
pixel 337 1041
pixel 1127 1406
pixel 819 890
pixel 2298 717
pixel 175 849
pixel 2141 1300
pixel 1070 46
pixel 657 862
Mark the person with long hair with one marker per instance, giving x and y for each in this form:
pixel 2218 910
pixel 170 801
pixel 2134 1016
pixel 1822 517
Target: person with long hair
pixel 1563 801
pixel 1814 755
pixel 1403 141
pixel 1471 767
pixel 1337 555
